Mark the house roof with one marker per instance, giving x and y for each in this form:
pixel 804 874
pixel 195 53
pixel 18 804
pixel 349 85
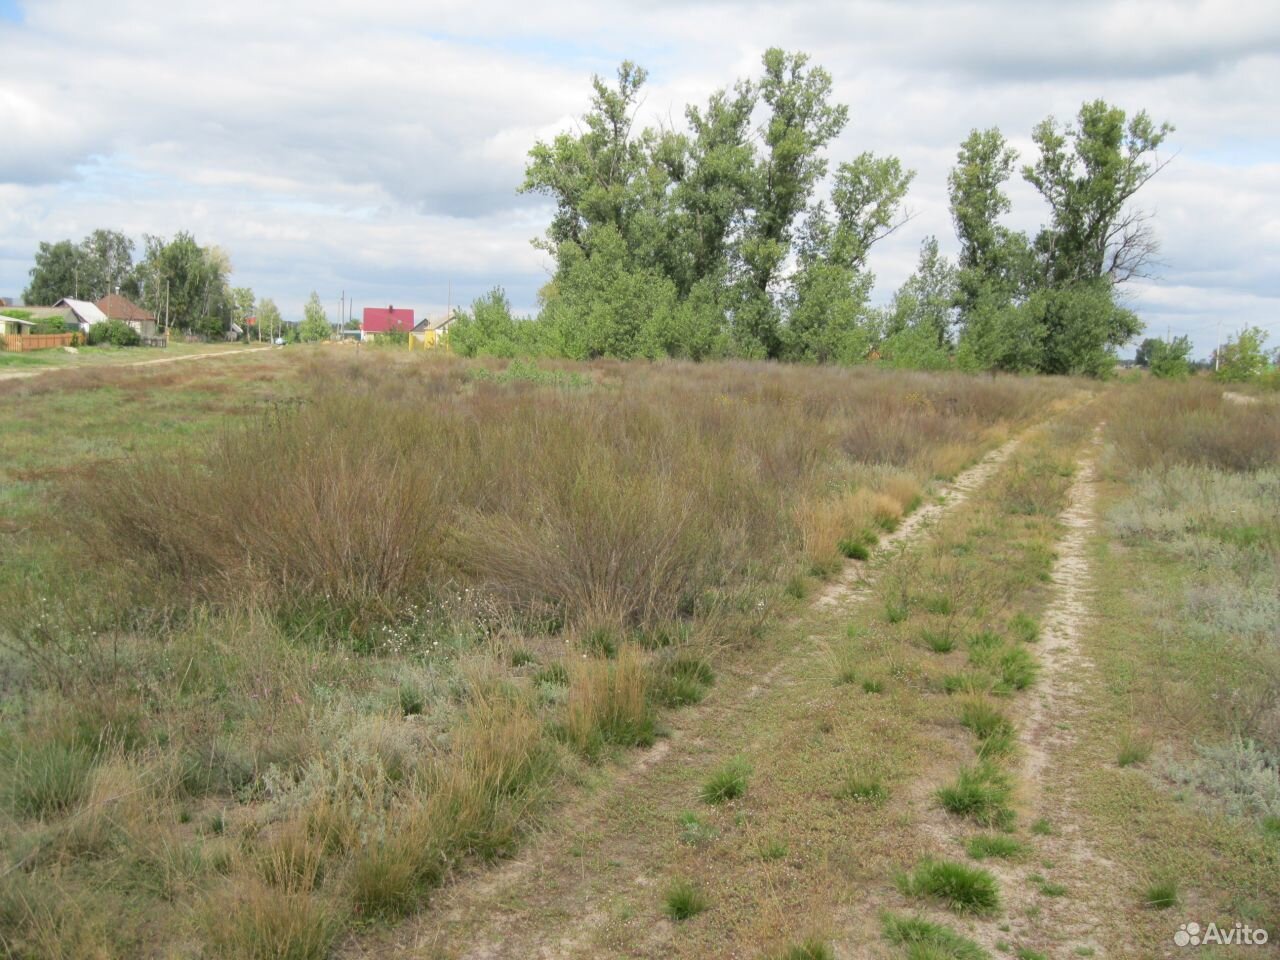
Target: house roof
pixel 25 323
pixel 117 307
pixel 85 311
pixel 386 319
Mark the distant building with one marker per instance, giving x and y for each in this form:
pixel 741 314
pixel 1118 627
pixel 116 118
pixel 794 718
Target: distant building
pixel 378 320
pixel 116 307
pixel 430 331
pixel 83 313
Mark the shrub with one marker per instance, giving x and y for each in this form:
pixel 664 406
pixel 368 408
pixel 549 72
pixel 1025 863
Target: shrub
pixel 683 900
pixel 960 888
pixel 115 332
pixel 728 782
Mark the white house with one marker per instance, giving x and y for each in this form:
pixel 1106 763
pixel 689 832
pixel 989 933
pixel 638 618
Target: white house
pixel 83 314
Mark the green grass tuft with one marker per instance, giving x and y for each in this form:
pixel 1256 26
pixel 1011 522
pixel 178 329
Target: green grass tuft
pixel 854 549
pixel 1161 894
pixel 684 900
pixel 728 782
pixel 939 641
pixel 981 793
pixel 862 789
pixel 961 888
pixel 986 845
pixel 45 778
pixel 1133 750
pixel 810 949
pixel 925 940
pixel 1024 627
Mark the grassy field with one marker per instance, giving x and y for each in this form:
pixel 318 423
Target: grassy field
pixel 731 659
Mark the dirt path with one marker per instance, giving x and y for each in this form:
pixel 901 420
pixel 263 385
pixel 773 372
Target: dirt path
pixel 23 374
pixel 590 884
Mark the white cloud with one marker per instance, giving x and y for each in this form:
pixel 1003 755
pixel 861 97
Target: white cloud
pixel 377 146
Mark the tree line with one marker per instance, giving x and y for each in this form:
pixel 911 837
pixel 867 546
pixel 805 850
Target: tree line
pixel 178 280
pixel 733 235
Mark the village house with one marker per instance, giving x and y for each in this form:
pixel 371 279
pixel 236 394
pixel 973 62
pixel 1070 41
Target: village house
pixel 382 320
pixel 116 307
pixel 80 314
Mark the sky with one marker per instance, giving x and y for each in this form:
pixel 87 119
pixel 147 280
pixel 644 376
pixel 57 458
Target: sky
pixel 374 148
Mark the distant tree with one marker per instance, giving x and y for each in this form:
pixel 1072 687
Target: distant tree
pixel 1168 358
pixel 269 318
pixel 1142 356
pixel 190 280
pixel 243 301
pixel 927 300
pixel 101 263
pixel 1243 358
pixel 55 274
pixel 315 322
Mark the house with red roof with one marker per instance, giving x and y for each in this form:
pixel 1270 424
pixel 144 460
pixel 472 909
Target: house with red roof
pixel 378 320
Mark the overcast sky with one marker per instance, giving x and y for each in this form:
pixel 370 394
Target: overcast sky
pixel 375 147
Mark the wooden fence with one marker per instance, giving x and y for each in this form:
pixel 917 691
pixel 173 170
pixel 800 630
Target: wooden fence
pixel 19 343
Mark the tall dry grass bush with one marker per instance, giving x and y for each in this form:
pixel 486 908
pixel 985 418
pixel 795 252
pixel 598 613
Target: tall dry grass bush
pixel 629 502
pixel 609 703
pixel 1159 424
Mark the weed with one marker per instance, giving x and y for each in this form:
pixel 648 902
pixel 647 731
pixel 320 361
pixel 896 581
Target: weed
pixel 810 949
pixel 1133 750
pixel 683 681
pixel 896 611
pixel 1024 628
pixel 940 605
pixel 522 658
pixel 411 699
pixel 684 900
pixel 1042 828
pixel 871 685
pixel 46 778
pixel 609 704
pixel 771 850
pixel 553 674
pixel 986 845
pixel 862 789
pixel 797 587
pixel 1026 953
pixel 939 641
pixel 261 922
pixel 729 782
pixel 985 720
pixel 980 793
pixel 926 940
pixel 693 831
pixel 961 888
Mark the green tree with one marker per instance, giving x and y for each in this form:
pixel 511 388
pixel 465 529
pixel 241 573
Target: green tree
pixel 315 322
pixel 107 258
pixel 269 321
pixel 993 259
pixel 1243 358
pixel 1168 358
pixel 187 279
pixel 487 330
pixel 1088 173
pixel 55 274
pixel 927 300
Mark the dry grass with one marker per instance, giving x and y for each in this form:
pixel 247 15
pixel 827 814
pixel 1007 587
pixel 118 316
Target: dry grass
pixel 299 704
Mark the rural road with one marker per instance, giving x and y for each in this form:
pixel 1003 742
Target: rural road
pixel 23 374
